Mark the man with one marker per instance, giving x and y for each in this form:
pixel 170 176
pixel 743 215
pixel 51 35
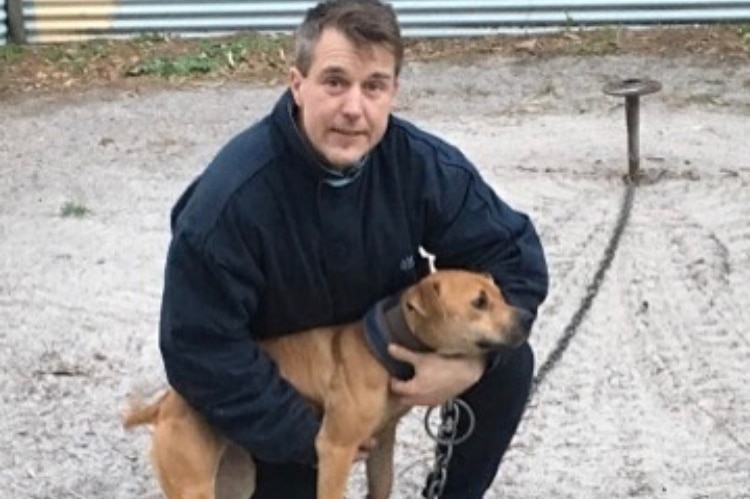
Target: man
pixel 310 217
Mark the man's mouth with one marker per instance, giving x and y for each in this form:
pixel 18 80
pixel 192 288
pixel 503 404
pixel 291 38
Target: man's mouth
pixel 348 133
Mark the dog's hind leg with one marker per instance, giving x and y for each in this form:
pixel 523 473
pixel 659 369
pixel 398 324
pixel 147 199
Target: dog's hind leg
pixel 186 462
pixel 380 463
pixel 186 451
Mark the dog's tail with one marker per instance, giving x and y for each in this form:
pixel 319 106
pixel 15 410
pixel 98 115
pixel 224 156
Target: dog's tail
pixel 140 414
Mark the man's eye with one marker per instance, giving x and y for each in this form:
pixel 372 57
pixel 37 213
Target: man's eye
pixel 376 86
pixel 480 302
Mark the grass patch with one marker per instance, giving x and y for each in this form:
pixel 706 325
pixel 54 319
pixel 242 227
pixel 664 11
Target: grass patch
pixel 10 54
pixel 76 57
pixel 601 41
pixel 211 56
pixel 73 210
pixel 744 33
pixel 182 65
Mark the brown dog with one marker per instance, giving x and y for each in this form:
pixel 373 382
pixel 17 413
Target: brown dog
pixel 344 371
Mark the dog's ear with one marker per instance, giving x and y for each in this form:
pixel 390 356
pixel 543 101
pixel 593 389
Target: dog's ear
pixel 414 303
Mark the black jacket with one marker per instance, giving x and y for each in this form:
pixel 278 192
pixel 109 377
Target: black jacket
pixel 267 242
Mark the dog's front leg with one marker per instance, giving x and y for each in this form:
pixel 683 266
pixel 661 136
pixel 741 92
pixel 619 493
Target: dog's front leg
pixel 380 464
pixel 334 462
pixel 344 428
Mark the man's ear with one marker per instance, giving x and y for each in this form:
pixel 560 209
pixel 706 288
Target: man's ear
pixel 394 93
pixel 295 83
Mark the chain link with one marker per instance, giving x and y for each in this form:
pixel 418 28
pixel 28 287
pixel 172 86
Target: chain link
pixel 446 439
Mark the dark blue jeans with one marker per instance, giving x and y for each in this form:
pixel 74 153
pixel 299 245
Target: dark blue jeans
pixel 498 400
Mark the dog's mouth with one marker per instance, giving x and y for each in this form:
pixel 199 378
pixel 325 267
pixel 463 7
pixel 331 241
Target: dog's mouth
pixel 488 345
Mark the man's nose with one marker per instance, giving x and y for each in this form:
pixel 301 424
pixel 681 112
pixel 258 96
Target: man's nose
pixel 353 102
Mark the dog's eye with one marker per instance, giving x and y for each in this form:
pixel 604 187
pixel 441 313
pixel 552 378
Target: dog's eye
pixel 480 302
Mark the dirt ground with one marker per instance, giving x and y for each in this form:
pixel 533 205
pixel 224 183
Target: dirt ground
pixel 652 397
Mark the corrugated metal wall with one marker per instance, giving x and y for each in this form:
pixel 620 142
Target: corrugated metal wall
pixel 3 23
pixel 60 20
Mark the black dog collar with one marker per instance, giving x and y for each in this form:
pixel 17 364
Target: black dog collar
pixel 384 324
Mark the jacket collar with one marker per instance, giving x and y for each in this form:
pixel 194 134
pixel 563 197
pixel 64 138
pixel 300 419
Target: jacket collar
pixel 384 324
pixel 284 116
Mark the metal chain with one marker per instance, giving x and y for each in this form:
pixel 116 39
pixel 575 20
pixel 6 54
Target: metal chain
pixel 446 439
pixel 450 412
pixel 593 288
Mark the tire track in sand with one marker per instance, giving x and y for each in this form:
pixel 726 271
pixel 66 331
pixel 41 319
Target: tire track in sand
pixel 664 341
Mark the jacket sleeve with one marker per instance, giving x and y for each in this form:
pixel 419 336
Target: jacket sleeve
pixel 211 360
pixel 470 227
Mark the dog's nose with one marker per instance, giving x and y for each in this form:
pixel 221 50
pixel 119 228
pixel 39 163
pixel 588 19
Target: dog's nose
pixel 524 319
pixel 521 326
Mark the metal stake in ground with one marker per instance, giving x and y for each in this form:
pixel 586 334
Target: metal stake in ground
pixel 632 89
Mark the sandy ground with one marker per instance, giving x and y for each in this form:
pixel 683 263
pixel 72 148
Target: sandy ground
pixel 652 398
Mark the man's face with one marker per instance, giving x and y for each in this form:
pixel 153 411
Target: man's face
pixel 346 97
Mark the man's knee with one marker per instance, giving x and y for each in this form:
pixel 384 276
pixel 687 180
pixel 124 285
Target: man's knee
pixel 522 363
pixel 285 480
pixel 515 369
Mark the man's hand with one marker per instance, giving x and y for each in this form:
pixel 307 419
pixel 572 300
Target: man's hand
pixel 436 379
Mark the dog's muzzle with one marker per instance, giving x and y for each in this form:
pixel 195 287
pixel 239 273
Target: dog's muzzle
pixel 515 335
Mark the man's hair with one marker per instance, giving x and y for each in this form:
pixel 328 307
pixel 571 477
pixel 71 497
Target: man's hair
pixel 363 22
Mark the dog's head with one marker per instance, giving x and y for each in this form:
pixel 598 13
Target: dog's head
pixel 457 312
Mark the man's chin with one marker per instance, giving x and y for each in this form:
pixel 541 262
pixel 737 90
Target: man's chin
pixel 342 161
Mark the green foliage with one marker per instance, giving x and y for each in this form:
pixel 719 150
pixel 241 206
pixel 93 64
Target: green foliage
pixel 182 65
pixel 209 57
pixel 73 210
pixel 76 57
pixel 151 38
pixel 570 23
pixel 10 53
pixel 744 32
